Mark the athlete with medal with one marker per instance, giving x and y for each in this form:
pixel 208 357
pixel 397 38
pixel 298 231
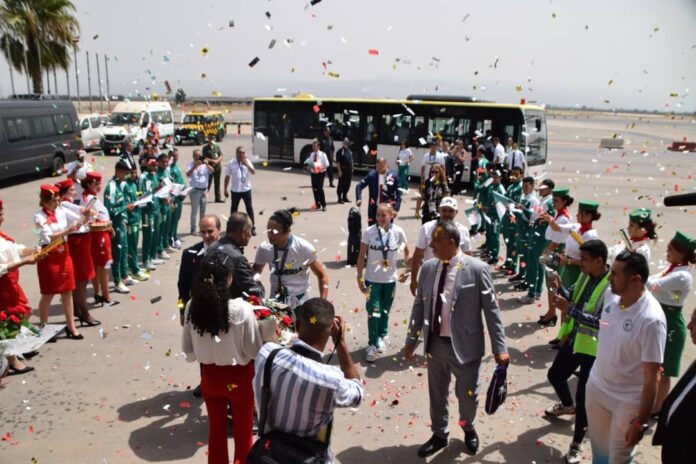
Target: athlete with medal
pixel 378 258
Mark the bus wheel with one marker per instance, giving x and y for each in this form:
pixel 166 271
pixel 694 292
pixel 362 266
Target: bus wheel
pixel 58 165
pixel 219 136
pixel 200 138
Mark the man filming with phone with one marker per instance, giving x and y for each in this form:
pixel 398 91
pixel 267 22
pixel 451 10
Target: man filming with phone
pixel 581 306
pixel 298 378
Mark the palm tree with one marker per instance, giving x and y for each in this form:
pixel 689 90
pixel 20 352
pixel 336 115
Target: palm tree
pixel 37 35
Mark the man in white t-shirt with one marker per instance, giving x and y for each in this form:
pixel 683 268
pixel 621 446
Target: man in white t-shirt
pixel 622 386
pixel 240 171
pixel 448 211
pixel 318 163
pixel 498 152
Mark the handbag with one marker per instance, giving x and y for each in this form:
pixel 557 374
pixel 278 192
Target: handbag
pixel 276 447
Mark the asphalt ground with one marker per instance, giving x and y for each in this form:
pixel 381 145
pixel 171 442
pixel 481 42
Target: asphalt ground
pixel 126 397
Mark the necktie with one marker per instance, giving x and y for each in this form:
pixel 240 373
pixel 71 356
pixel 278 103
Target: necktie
pixel 438 299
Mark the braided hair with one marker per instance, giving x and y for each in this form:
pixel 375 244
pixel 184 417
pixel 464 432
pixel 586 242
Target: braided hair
pixel 284 217
pixel 210 295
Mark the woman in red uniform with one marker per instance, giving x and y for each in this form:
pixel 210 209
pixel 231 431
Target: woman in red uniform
pixel 100 237
pixel 56 276
pixel 80 246
pixel 12 257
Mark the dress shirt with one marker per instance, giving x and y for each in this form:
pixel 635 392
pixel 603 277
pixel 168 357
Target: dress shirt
pixel 447 296
pixel 240 175
pixel 199 177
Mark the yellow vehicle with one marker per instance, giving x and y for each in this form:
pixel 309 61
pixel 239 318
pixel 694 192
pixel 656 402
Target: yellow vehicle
pixel 198 126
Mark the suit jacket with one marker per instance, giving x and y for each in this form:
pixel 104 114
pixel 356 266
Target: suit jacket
pixel 190 264
pixel 473 300
pixel 243 283
pixel 677 435
pixel 371 180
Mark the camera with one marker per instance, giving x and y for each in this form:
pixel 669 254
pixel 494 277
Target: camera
pixel 552 260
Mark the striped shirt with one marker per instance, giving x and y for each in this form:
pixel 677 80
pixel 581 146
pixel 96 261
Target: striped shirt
pixel 304 393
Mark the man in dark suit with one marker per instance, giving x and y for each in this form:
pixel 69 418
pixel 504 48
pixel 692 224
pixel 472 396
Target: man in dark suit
pixel 127 155
pixel 237 236
pixel 383 185
pixel 209 226
pixel 675 429
pixel 455 293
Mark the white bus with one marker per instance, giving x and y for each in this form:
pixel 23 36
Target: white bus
pixel 284 127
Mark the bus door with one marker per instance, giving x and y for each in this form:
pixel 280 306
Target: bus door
pixel 280 136
pixel 365 147
pixel 533 137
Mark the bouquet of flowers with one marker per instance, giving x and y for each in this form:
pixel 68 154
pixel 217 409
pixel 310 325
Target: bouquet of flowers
pixel 11 322
pixel 274 319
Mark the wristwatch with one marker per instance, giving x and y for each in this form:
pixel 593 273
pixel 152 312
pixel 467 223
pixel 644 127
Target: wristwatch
pixel 642 427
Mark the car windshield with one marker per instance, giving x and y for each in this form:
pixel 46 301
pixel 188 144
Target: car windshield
pixel 119 119
pixel 193 119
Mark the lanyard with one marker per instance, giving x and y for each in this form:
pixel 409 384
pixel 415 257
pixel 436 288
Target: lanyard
pixel 280 266
pixel 241 173
pixel 385 245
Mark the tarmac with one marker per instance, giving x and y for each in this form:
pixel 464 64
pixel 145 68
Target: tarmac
pixel 125 395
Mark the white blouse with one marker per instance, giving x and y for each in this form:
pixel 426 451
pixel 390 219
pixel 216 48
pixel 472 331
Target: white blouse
pixel 239 346
pixel 560 236
pixel 671 289
pixel 9 253
pixel 64 218
pixel 84 228
pixel 102 212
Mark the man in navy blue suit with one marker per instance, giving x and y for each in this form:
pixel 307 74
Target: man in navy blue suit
pixel 383 186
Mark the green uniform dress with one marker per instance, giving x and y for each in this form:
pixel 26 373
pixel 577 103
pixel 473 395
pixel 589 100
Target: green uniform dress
pixel 492 227
pixel 115 202
pixel 537 243
pixel 524 229
pixel 133 231
pixel 178 178
pixel 147 182
pixel 165 212
pixel 509 228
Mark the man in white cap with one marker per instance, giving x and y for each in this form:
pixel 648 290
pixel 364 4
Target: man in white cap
pixel 448 211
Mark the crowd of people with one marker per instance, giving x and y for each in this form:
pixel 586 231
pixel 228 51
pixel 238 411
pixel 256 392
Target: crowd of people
pixel 621 331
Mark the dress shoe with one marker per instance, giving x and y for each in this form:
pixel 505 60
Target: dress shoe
pixel 471 440
pixel 197 392
pixel 547 322
pixel 432 446
pixel 516 278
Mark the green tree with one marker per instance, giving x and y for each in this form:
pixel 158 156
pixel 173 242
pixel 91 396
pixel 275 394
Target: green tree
pixel 37 35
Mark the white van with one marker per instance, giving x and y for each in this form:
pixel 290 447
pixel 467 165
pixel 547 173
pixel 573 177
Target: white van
pixel 129 122
pixel 91 129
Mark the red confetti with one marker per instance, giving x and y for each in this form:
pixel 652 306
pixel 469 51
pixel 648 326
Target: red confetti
pixel 185 404
pixel 31 429
pixel 316 108
pixel 200 443
pixel 373 51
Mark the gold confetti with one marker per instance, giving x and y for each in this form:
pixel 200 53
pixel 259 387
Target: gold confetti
pixel 204 51
pixel 313 320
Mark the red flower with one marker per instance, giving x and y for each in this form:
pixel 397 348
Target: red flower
pixel 286 321
pixel 3 316
pixel 15 319
pixel 262 313
pixel 254 300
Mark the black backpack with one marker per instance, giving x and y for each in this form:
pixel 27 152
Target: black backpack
pixel 354 221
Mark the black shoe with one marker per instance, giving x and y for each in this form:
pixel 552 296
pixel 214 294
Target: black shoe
pixel 340 202
pixel 197 392
pixel 548 323
pixel 332 186
pixel 522 287
pixel 492 261
pixel 15 371
pixel 516 278
pixel 432 446
pixel 471 440
pixel 323 208
pixel 72 336
pixel 88 323
pixel 555 341
pixel 30 354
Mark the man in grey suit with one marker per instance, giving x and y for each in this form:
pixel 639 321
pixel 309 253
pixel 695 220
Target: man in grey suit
pixel 455 292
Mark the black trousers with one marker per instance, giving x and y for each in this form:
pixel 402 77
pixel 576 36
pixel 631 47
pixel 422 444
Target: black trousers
pixel 563 366
pixel 343 186
pixel 318 189
pixel 329 170
pixel 215 176
pixel 246 197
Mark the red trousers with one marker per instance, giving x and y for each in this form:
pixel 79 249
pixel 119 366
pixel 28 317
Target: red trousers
pixel 233 384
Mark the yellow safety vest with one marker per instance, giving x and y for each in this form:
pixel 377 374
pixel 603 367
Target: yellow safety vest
pixel 586 336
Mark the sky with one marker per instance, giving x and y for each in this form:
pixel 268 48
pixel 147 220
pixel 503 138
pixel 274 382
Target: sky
pixel 605 54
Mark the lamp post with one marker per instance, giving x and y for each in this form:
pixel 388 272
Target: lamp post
pixel 96 57
pixel 89 82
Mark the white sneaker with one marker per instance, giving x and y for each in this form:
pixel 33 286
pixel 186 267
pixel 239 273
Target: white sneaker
pixel 157 261
pixel 558 410
pixel 141 276
pixel 382 344
pixel 177 244
pixel 172 249
pixel 164 255
pixel 121 288
pixel 574 455
pixel 150 266
pixel 371 354
pixel 130 281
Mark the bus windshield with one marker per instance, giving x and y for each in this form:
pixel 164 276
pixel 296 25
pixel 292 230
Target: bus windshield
pixel 193 119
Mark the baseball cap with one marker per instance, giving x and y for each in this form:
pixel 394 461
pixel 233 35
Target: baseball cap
pixel 448 202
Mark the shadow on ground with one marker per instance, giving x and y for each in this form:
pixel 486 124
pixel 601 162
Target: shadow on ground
pixel 164 438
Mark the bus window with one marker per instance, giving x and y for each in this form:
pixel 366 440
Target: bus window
pixel 395 129
pixel 420 131
pixel 351 128
pixel 17 129
pixel 43 126
pixel 63 123
pixel 535 135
